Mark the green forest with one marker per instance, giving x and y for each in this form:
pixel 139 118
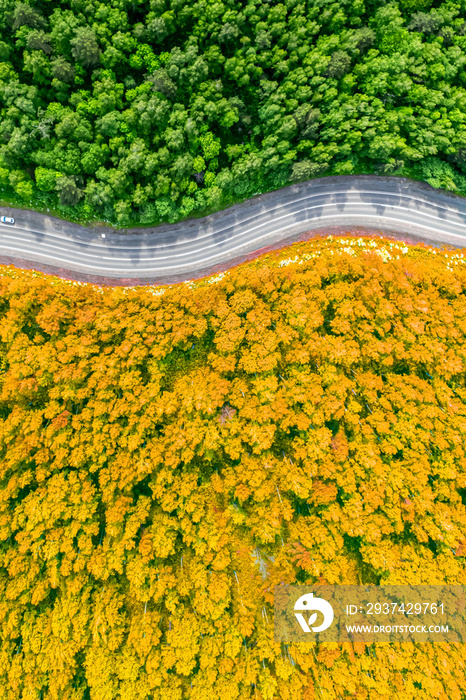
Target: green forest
pixel 133 111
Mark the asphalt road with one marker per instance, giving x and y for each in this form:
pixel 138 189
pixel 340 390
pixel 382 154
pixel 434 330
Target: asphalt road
pixel 183 251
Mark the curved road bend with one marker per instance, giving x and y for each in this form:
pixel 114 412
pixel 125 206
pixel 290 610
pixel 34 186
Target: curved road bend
pixel 182 251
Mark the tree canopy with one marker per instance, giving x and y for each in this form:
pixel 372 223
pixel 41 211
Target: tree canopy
pixel 169 455
pixel 143 111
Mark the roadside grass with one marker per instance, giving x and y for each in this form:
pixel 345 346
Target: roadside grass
pixel 47 203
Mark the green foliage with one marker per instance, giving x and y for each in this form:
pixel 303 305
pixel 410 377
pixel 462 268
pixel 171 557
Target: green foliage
pixel 84 46
pixel 46 180
pixel 24 189
pixel 200 104
pixel 69 193
pixel 438 173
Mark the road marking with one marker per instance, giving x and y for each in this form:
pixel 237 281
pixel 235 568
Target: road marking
pixel 64 236
pixel 201 263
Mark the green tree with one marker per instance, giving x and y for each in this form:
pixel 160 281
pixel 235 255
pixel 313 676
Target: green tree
pixel 69 193
pixel 94 157
pixel 46 180
pixel 339 64
pixel 99 195
pixel 26 15
pixel 265 93
pixel 38 40
pixel 210 145
pixel 62 69
pixel 306 169
pixel 84 46
pixel 163 83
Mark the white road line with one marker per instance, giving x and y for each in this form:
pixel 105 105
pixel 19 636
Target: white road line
pixel 238 232
pixel 101 245
pixel 200 264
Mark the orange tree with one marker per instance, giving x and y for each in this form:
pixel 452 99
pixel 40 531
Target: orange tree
pixel 169 455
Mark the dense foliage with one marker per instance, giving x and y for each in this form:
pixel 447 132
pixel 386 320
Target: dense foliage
pixel 168 456
pixel 136 110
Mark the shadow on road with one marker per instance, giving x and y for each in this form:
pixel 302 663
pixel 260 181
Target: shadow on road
pixel 262 221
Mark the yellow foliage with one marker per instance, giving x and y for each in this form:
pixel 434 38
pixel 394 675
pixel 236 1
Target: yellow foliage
pixel 168 456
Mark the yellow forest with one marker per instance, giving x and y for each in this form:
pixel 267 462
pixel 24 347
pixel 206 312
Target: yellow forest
pixel 170 454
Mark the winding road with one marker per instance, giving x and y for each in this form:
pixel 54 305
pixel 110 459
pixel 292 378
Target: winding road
pixel 176 252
